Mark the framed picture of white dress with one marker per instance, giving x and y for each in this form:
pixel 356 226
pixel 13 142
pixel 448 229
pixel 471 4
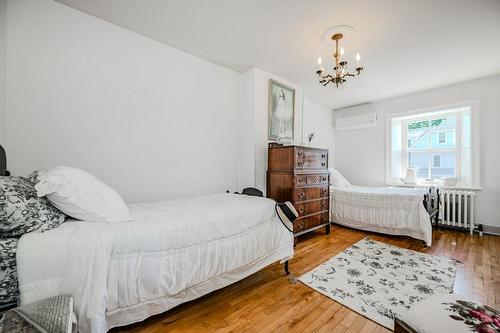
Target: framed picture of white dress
pixel 281 111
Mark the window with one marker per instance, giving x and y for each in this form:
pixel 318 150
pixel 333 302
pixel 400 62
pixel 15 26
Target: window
pixel 437 143
pixel 441 137
pixel 436 162
pixel 426 149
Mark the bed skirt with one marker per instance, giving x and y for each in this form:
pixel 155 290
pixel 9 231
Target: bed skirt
pixel 139 312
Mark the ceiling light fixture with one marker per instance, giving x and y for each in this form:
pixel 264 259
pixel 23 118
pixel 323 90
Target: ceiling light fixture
pixel 340 70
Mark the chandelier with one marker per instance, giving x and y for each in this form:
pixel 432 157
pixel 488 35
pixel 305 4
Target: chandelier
pixel 340 73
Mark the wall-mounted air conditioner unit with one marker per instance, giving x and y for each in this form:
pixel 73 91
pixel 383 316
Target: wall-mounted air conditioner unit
pixel 356 122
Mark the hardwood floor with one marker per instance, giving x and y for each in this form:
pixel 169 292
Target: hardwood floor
pixel 268 301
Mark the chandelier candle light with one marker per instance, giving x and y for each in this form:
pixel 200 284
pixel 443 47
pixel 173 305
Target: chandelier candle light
pixel 341 73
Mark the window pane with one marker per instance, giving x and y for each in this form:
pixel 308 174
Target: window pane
pixel 442 137
pixel 418 134
pixel 436 161
pixel 445 165
pixel 421 161
pixel 443 132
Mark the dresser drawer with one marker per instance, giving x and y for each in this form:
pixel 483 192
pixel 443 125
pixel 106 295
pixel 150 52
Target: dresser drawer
pixel 310 193
pixel 310 222
pixel 325 204
pixel 312 207
pixel 318 179
pixel 315 179
pixel 300 180
pixel 311 159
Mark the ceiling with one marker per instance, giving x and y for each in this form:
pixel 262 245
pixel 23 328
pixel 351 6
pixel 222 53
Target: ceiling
pixel 405 45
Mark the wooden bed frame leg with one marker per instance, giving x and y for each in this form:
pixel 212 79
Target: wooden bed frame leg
pixel 286 268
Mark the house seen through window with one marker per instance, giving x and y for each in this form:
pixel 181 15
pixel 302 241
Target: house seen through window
pixel 437 143
pixel 432 147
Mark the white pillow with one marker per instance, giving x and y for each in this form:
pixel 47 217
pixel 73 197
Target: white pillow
pixel 338 180
pixel 80 195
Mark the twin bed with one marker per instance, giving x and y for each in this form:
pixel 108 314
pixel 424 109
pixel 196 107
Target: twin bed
pixel 389 210
pixel 393 211
pixel 172 252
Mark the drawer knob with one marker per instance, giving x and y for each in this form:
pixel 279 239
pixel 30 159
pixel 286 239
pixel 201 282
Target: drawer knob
pixel 323 155
pixel 324 205
pixel 301 210
pixel 323 163
pixel 324 219
pixel 301 195
pixel 299 163
pixel 301 225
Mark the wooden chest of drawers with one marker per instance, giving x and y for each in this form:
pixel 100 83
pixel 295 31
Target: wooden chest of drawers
pixel 300 175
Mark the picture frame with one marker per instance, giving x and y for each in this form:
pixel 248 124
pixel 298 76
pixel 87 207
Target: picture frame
pixel 281 112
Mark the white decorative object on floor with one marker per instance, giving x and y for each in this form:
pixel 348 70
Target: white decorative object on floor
pixel 381 281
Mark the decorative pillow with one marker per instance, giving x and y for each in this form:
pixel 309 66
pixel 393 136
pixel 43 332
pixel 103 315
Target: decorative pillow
pixel 80 195
pixel 22 211
pixel 338 180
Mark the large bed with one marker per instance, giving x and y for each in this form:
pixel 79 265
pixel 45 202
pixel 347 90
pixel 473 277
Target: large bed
pixel 172 252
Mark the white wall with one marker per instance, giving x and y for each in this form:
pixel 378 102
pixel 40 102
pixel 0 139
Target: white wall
pixel 150 120
pixel 3 69
pixel 360 154
pixel 320 120
pixel 246 132
pixel 255 126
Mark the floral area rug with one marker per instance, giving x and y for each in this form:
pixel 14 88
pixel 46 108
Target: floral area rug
pixel 381 281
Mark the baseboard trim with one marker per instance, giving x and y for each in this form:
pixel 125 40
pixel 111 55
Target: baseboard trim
pixel 491 230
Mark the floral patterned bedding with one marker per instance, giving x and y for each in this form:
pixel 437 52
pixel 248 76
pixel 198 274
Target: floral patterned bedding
pixel 8 276
pixel 21 212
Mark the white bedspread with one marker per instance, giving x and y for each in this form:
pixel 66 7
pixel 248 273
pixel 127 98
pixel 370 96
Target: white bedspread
pixel 395 211
pixel 172 252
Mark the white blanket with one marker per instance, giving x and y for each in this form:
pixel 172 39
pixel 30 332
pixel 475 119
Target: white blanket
pixel 395 211
pixel 172 252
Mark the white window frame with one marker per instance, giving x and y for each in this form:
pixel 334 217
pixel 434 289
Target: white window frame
pixel 475 142
pixel 457 149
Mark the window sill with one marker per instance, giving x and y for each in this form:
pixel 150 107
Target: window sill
pixel 438 185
